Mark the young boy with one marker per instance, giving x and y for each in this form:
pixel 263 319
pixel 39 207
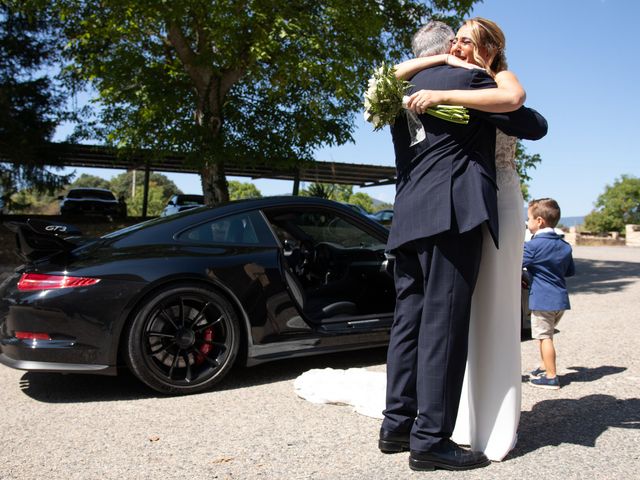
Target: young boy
pixel 548 259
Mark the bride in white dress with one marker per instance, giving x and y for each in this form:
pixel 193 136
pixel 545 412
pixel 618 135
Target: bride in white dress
pixel 489 409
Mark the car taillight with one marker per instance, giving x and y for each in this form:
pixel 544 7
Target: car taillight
pixel 41 281
pixel 32 336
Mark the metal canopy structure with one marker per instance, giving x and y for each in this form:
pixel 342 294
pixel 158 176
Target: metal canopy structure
pixel 93 156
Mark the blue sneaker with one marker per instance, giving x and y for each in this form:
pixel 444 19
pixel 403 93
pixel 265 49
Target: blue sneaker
pixel 537 372
pixel 544 382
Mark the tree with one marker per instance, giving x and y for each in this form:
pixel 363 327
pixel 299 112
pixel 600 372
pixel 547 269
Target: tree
pixel 241 190
pixel 618 206
pixel 363 200
pixel 122 184
pixel 524 163
pixel 331 191
pixel 261 81
pixel 90 181
pixel 156 201
pixel 382 206
pixel 161 189
pixel 340 193
pixel 320 190
pixel 30 101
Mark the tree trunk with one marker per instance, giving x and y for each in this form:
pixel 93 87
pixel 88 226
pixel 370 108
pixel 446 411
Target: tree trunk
pixel 214 183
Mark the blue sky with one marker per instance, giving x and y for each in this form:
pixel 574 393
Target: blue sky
pixel 578 61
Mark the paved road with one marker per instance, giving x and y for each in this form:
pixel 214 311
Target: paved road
pixel 254 427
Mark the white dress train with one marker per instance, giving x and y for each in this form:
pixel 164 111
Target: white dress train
pixel 489 409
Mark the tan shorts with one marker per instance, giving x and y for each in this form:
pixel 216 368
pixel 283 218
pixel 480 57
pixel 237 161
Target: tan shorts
pixel 543 323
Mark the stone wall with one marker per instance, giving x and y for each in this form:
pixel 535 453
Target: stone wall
pixel 633 235
pixel 612 239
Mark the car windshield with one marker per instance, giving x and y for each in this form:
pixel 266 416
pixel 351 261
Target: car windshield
pixel 190 200
pixel 88 193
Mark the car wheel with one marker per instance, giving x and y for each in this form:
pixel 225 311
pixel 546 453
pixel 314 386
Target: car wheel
pixel 183 340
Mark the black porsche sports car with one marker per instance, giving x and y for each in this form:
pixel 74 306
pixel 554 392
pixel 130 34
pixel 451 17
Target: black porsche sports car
pixel 180 299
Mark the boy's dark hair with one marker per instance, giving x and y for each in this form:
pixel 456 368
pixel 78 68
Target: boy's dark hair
pixel 547 208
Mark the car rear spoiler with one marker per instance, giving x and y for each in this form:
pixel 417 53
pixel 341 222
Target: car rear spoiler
pixel 37 238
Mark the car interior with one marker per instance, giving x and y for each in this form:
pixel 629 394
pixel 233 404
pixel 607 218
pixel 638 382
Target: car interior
pixel 333 268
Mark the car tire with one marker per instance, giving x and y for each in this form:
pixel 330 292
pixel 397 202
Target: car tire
pixel 183 339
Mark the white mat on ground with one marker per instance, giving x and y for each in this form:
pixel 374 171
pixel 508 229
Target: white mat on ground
pixel 361 388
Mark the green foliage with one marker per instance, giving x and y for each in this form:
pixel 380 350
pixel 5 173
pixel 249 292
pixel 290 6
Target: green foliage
pixel 330 191
pixel 265 82
pixel 161 189
pixel 382 206
pixel 342 193
pixel 157 200
pixel 618 206
pixel 362 199
pixel 524 164
pixel 240 190
pixel 30 201
pixel 320 190
pixel 30 101
pixel 122 185
pixel 339 193
pixel 90 181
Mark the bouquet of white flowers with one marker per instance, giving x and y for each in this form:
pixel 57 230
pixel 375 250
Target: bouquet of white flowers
pixel 385 99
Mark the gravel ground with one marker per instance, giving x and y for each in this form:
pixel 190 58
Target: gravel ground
pixel 254 427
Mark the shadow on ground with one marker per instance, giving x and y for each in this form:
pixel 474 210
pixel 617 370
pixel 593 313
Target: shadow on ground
pixel 577 421
pixel 74 388
pixel 584 374
pixel 597 276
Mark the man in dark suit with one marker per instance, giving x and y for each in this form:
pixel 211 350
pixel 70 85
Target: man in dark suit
pixel 445 191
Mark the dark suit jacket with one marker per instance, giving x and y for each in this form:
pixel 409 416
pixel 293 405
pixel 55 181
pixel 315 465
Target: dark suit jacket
pixel 547 257
pixel 448 181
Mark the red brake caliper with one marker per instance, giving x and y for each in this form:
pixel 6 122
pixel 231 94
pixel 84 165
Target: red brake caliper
pixel 205 348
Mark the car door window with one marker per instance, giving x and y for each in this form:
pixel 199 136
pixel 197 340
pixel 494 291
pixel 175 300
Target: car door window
pixel 245 229
pixel 325 226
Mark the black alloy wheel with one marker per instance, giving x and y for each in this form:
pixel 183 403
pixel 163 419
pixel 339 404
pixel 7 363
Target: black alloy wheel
pixel 183 340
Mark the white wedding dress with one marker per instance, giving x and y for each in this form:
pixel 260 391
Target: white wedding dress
pixel 490 403
pixel 489 409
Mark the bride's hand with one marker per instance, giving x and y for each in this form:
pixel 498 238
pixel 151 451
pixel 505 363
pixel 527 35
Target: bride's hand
pixel 423 99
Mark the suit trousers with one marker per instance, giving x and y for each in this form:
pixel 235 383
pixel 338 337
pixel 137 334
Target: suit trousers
pixel 434 281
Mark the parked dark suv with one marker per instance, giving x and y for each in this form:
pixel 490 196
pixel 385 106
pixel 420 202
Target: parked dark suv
pixel 91 201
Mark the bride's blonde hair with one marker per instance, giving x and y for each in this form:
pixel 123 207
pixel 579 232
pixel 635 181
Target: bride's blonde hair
pixel 488 34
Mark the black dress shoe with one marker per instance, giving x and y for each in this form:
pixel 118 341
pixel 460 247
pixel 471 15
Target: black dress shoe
pixel 447 455
pixel 393 442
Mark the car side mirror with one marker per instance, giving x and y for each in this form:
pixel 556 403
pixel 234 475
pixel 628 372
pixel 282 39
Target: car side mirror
pixel 171 203
pixel 60 197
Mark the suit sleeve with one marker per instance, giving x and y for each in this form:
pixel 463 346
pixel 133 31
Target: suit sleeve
pixel 528 254
pixel 571 269
pixel 523 123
